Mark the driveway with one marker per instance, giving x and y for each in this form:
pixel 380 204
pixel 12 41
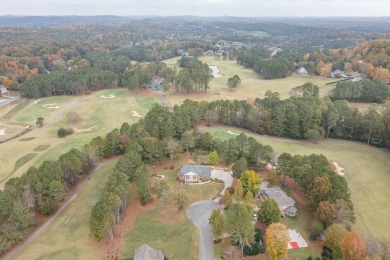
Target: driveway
pixel 199 213
pixel 224 176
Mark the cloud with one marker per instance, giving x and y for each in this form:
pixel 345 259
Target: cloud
pixel 198 7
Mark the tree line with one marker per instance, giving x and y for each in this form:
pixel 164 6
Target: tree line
pixel 362 91
pixel 304 116
pixel 38 191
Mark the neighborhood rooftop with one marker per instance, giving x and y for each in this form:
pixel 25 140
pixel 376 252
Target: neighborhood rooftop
pixel 146 252
pixel 204 171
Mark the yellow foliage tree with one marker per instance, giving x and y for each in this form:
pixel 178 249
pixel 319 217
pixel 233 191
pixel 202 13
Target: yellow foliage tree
pixel 251 181
pixel 277 239
pixel 7 82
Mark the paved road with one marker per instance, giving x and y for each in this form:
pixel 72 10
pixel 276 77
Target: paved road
pixel 37 232
pixel 199 213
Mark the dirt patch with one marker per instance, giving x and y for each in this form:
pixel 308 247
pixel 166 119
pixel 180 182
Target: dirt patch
pixel 136 114
pixel 2 131
pixel 84 130
pixel 339 169
pixel 109 96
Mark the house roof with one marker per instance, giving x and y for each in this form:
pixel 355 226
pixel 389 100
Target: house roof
pixel 204 171
pixel 3 88
pixel 146 252
pixel 279 196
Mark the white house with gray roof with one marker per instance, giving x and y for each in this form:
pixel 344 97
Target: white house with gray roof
pixel 146 252
pixel 285 203
pixel 195 173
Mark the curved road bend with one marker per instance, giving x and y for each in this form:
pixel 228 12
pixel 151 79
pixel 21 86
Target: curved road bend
pixel 72 196
pixel 199 213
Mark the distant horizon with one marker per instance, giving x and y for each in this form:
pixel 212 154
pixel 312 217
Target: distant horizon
pixel 203 16
pixel 204 8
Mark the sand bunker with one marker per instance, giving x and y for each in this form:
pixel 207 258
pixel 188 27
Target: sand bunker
pixel 215 72
pixel 110 96
pixel 36 101
pixel 2 131
pixel 339 170
pixel 232 133
pixel 84 130
pixel 136 114
pixel 51 106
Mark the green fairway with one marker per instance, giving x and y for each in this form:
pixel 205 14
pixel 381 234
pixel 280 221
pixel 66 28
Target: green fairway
pixel 367 172
pixel 252 85
pixel 67 236
pixel 98 115
pixel 41 108
pixel 146 102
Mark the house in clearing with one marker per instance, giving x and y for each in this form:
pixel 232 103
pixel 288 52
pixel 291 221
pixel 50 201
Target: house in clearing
pixel 285 203
pixel 146 252
pixel 157 83
pixel 194 173
pixel 301 70
pixel 3 90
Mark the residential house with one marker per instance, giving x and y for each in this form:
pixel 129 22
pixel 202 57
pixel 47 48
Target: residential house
pixel 157 83
pixel 338 74
pixel 146 252
pixel 285 203
pixel 3 89
pixel 301 70
pixel 195 173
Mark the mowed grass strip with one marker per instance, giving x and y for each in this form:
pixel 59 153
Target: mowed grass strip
pixel 67 237
pixel 178 239
pixel 42 148
pixel 146 102
pixel 367 171
pixel 21 104
pixel 20 162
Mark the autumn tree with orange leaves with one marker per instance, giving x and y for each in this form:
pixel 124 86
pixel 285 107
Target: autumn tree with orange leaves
pixel 352 246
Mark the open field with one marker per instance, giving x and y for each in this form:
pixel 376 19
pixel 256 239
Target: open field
pixel 93 110
pixel 252 85
pixel 367 172
pixel 67 236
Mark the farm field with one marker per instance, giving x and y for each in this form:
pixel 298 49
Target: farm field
pixel 95 110
pixel 67 236
pixel 252 85
pixel 367 172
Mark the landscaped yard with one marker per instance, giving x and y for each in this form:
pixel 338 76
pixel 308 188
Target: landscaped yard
pixel 162 226
pixel 367 172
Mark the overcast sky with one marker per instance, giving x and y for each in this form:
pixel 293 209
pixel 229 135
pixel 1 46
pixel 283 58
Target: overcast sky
pixel 198 7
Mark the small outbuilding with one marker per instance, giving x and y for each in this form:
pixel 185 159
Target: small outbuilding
pixel 3 89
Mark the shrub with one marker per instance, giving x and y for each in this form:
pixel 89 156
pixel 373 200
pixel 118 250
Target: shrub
pixel 62 132
pixel 252 249
pixel 261 249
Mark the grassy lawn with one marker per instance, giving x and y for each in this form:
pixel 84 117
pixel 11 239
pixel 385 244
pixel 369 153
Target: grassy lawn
pixel 252 85
pixel 146 102
pixel 367 172
pixel 93 110
pixel 177 239
pixel 67 236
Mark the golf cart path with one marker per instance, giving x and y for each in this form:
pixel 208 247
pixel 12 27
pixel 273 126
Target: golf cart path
pixel 200 212
pixel 43 227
